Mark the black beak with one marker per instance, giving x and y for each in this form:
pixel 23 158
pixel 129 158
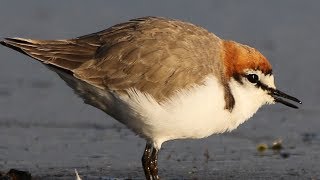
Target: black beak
pixel 276 94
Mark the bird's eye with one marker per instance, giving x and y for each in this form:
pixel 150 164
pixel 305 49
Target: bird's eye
pixel 253 78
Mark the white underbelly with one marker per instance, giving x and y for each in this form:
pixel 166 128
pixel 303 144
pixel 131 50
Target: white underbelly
pixel 194 113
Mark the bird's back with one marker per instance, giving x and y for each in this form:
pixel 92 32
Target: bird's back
pixel 153 55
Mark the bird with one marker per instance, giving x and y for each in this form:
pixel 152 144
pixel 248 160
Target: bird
pixel 163 78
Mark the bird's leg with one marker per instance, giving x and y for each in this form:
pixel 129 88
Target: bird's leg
pixel 154 164
pixel 146 160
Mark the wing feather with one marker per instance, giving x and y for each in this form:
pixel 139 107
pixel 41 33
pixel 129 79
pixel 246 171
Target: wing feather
pixel 154 55
pixel 157 56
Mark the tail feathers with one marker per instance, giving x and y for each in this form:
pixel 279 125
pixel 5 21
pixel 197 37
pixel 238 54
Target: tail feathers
pixel 66 54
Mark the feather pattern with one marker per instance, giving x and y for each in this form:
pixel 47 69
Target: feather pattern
pixel 154 55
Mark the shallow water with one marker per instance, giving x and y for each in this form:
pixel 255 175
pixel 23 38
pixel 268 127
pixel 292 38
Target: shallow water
pixel 47 130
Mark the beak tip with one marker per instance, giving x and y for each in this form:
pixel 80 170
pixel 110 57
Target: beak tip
pixel 276 94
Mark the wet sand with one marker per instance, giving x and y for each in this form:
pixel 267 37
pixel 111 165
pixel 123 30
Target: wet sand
pixel 47 130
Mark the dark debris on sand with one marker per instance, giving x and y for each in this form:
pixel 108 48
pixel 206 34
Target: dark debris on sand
pixel 14 174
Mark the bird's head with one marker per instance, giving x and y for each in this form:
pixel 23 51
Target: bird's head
pixel 251 74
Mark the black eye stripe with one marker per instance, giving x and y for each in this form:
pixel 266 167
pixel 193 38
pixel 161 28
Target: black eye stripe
pixel 264 87
pixel 238 78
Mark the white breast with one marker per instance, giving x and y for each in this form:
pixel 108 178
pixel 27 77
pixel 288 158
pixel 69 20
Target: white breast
pixel 194 113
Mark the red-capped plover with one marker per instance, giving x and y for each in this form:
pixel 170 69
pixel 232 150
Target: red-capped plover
pixel 164 79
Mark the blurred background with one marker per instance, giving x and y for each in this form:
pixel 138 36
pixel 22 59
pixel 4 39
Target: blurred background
pixel 49 131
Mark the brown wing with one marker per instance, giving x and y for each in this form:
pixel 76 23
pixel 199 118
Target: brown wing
pixel 154 55
pixel 66 54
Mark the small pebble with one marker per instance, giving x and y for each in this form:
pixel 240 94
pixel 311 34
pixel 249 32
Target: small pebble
pixel 277 145
pixel 284 155
pixel 262 147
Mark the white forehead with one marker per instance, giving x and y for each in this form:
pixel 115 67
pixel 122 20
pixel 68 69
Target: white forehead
pixel 265 79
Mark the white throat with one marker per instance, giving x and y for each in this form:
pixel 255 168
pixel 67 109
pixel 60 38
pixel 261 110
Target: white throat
pixel 248 99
